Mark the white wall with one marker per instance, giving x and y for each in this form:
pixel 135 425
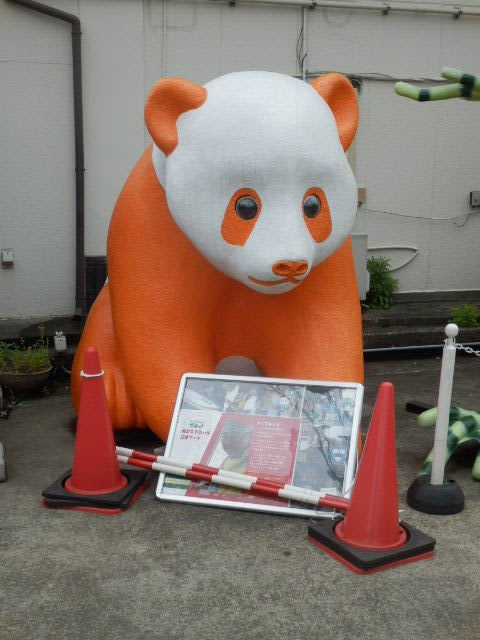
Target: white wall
pixel 418 160
pixel 37 197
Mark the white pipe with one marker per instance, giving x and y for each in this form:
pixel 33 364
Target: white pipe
pixel 443 405
pixel 454 10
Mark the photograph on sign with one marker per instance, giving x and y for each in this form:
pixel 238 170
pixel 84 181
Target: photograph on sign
pixel 301 433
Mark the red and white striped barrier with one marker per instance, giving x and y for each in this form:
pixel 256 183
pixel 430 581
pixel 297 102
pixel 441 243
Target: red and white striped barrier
pixel 141 455
pixel 198 472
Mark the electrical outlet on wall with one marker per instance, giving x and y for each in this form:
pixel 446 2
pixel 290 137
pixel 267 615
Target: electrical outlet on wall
pixel 475 198
pixel 60 342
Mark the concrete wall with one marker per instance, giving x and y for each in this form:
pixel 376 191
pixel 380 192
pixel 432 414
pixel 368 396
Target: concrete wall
pixel 418 162
pixel 37 197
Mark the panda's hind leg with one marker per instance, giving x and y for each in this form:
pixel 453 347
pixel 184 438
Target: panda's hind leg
pixel 98 333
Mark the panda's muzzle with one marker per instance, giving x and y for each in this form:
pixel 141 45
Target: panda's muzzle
pixel 287 270
pixel 290 269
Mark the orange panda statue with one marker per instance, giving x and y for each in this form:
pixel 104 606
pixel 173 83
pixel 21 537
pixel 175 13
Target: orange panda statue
pixel 231 238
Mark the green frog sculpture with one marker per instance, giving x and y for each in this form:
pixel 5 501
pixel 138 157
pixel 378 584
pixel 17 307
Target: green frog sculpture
pixel 463 427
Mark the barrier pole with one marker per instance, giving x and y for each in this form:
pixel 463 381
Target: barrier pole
pixel 443 405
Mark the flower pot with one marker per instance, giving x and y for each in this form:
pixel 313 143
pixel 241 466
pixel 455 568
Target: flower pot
pixel 24 381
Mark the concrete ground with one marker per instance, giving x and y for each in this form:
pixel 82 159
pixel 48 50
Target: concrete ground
pixel 180 572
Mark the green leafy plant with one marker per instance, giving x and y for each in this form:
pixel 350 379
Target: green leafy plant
pixel 383 286
pixel 465 315
pixel 19 358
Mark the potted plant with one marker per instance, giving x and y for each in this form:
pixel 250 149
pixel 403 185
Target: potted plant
pixel 25 368
pixel 383 286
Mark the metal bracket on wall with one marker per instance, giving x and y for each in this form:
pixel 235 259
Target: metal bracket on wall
pixel 386 8
pixel 459 12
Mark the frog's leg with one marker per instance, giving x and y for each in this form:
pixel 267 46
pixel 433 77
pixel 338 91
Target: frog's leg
pixel 467 87
pixel 444 92
pixel 476 464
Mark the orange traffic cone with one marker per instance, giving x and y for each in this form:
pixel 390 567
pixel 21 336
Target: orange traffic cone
pixel 95 483
pixel 373 524
pixel 370 538
pixel 95 466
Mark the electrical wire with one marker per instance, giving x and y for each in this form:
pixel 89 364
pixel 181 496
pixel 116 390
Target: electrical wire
pixel 467 214
pixel 299 47
pixel 375 75
pixel 13 404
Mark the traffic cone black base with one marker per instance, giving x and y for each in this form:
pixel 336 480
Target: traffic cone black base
pixel 73 505
pixel 56 495
pixel 95 483
pixel 99 511
pixel 418 546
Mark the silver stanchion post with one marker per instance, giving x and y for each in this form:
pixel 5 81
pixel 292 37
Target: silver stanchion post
pixel 434 493
pixel 443 404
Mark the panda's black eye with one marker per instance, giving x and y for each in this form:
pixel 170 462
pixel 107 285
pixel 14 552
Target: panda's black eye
pixel 312 206
pixel 246 208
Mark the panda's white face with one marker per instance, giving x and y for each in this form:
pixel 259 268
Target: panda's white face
pixel 259 181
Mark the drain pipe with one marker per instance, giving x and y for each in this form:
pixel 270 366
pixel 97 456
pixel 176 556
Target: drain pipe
pixel 80 297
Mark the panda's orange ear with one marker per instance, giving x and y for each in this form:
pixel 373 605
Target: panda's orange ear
pixel 341 97
pixel 167 100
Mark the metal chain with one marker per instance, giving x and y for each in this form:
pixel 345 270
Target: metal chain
pixel 468 350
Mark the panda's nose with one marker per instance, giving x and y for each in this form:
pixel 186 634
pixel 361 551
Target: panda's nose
pixel 289 269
